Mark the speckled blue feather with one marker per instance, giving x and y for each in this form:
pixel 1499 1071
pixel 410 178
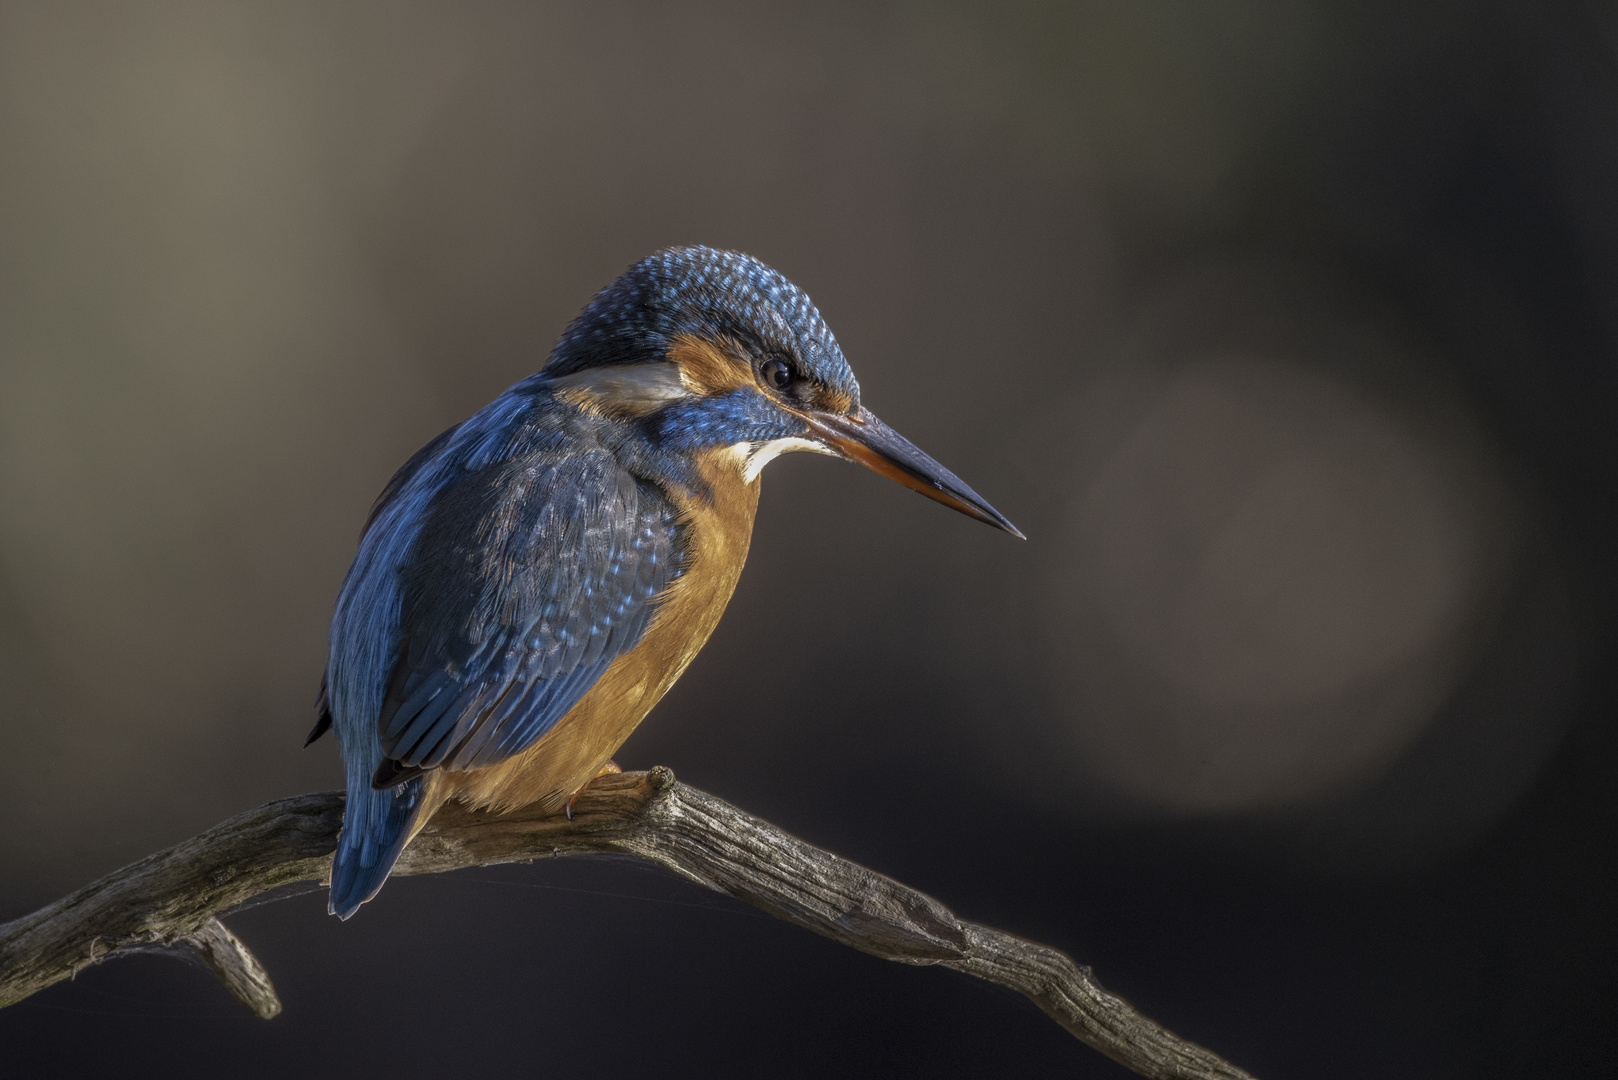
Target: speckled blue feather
pixel 708 293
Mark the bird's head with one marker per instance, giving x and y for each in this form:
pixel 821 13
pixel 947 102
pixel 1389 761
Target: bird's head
pixel 718 352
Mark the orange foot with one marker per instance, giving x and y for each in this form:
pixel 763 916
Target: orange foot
pixel 606 770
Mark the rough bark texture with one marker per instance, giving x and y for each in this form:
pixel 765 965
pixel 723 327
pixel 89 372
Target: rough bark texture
pixel 174 898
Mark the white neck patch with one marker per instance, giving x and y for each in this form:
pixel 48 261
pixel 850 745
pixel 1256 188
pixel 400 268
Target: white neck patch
pixel 751 457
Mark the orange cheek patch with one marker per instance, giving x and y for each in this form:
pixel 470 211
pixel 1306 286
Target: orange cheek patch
pixel 709 368
pixel 836 401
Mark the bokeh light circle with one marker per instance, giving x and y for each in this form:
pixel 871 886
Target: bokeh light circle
pixel 1271 578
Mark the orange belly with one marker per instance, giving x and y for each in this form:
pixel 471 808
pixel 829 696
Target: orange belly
pixel 569 755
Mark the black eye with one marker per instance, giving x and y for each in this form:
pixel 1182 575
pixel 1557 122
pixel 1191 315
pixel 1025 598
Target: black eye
pixel 777 375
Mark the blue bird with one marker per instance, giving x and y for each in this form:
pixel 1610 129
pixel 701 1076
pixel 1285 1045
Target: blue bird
pixel 534 579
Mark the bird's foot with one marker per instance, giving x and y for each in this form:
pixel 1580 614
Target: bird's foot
pixel 606 770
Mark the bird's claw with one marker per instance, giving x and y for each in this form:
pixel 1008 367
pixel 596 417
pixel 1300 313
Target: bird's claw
pixel 606 770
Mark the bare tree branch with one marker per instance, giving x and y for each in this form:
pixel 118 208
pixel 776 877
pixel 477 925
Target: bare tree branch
pixel 176 896
pixel 240 971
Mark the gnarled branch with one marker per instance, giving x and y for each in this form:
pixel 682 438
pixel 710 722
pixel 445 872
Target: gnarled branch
pixel 175 897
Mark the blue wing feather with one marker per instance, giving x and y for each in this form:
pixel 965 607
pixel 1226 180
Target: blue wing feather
pixel 528 579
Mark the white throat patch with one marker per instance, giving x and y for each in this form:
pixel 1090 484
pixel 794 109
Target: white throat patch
pixel 751 457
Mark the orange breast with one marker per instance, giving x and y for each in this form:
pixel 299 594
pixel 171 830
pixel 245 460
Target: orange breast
pixel 571 753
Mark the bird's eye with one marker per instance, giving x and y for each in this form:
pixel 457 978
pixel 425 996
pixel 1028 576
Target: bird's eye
pixel 777 375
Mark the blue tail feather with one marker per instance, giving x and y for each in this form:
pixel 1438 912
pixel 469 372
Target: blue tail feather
pixel 376 825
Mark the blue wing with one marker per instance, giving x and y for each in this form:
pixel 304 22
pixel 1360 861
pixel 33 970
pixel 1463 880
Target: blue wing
pixel 391 492
pixel 528 578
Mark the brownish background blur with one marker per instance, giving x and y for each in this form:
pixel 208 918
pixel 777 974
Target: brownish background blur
pixel 1284 328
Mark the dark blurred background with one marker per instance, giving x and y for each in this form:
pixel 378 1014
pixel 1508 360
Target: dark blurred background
pixel 1285 328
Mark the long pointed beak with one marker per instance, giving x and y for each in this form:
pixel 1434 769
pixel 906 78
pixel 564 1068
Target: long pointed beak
pixel 862 438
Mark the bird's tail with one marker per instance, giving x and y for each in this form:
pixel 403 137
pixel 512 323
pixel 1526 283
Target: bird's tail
pixel 376 827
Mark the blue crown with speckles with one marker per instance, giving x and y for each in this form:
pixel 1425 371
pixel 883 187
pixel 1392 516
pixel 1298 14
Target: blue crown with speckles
pixel 708 293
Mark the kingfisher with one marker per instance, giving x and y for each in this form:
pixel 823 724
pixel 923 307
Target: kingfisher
pixel 533 580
